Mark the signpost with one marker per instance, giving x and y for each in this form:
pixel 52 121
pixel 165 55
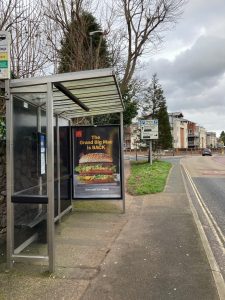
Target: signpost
pixel 4 55
pixel 149 131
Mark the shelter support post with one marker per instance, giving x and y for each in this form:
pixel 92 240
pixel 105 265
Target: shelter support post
pixel 71 164
pixel 9 172
pixel 122 161
pixel 58 167
pixel 40 177
pixel 50 178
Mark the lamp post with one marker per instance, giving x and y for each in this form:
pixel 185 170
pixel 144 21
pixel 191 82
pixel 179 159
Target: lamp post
pixel 91 45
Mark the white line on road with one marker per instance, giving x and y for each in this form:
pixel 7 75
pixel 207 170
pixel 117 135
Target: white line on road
pixel 219 281
pixel 214 226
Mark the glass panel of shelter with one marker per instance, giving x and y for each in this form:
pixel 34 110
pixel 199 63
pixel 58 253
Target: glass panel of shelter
pixel 29 167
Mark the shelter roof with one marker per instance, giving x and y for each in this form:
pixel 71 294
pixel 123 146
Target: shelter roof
pixel 76 94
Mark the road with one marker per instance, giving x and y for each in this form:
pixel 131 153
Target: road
pixel 207 190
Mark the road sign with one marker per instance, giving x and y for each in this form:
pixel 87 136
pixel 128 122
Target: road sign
pixel 149 129
pixel 4 55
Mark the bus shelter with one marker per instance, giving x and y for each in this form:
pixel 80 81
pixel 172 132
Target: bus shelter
pixel 39 152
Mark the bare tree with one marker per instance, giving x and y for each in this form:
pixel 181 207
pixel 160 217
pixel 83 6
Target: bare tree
pixel 63 20
pixel 146 21
pixel 23 19
pixel 28 50
pixel 7 13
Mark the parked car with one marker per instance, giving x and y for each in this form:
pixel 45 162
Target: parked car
pixel 206 151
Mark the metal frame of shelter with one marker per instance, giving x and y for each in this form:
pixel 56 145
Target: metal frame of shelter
pixel 68 95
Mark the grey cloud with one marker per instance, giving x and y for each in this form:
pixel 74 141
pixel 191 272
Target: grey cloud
pixel 204 61
pixel 197 15
pixel 193 82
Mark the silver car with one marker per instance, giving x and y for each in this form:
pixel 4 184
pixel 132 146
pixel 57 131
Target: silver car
pixel 206 151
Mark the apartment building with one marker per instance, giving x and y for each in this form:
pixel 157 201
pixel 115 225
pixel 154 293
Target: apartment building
pixel 196 136
pixel 179 130
pixel 202 137
pixel 193 135
pixel 132 136
pixel 211 140
pixel 127 137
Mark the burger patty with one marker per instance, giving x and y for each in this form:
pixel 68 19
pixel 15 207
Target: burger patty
pixel 96 169
pixel 96 172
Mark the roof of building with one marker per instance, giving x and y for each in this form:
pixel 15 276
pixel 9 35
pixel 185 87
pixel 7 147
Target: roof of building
pixel 176 114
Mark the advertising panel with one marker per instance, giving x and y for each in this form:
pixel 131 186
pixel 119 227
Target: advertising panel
pixel 97 173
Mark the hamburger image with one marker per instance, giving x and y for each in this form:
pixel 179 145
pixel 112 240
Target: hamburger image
pixel 96 168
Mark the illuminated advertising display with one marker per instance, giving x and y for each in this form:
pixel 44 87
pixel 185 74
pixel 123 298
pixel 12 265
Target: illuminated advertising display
pixel 97 173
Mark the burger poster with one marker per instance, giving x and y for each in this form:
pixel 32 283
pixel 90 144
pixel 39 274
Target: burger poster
pixel 97 162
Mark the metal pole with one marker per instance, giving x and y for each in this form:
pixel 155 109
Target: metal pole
pixel 150 148
pixel 136 156
pixel 149 151
pixel 91 48
pixel 58 166
pixel 71 153
pixel 50 178
pixel 122 162
pixel 40 177
pixel 98 49
pixel 9 173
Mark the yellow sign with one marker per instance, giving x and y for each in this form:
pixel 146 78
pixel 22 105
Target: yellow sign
pixel 3 56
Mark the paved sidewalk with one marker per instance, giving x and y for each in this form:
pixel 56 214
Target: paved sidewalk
pixel 152 252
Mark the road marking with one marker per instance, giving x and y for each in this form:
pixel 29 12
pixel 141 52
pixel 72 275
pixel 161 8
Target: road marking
pixel 218 278
pixel 214 226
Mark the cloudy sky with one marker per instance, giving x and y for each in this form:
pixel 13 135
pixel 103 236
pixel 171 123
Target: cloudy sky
pixel 191 64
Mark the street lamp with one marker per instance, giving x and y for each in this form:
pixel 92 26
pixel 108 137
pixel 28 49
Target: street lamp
pixel 91 45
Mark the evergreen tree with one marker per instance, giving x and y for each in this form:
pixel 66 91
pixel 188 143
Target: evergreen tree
pixel 222 137
pixel 75 55
pixel 165 137
pixel 154 107
pixel 79 50
pixel 153 98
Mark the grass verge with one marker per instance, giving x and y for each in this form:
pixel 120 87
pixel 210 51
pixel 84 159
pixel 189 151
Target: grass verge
pixel 146 178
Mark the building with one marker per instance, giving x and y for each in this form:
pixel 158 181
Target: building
pixel 196 136
pixel 127 137
pixel 211 140
pixel 179 130
pixel 135 136
pixel 132 137
pixel 202 137
pixel 193 135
